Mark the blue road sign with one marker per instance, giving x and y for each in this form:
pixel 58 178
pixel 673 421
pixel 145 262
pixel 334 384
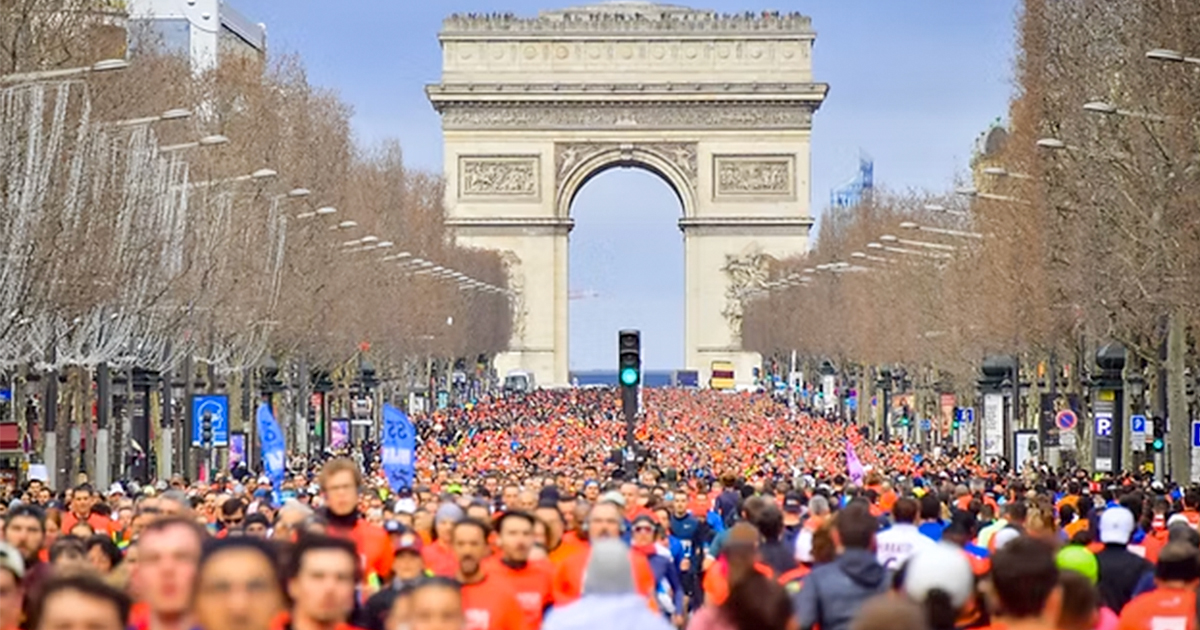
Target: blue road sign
pixel 5 395
pixel 1138 424
pixel 1196 435
pixel 1104 425
pixel 926 424
pixel 218 407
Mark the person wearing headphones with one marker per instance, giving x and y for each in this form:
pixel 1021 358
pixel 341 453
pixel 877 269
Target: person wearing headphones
pixel 605 521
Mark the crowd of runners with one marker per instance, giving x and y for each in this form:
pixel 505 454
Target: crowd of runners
pixel 524 515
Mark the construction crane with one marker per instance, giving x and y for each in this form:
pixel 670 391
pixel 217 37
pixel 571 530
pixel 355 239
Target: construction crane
pixel 576 296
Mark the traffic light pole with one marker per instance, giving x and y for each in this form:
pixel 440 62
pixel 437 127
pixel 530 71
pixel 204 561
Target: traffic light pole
pixel 629 375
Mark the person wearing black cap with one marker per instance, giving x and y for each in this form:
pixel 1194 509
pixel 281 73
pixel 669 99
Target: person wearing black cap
pixel 793 508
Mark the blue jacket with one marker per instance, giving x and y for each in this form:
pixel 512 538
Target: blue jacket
pixel 666 577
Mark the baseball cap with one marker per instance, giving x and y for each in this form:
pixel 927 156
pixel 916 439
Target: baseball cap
pixel 942 567
pixel 792 503
pixel 613 497
pixel 394 527
pixel 1116 526
pixel 408 542
pixel 11 560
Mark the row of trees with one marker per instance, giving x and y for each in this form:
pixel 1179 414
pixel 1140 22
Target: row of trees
pixel 158 218
pixel 131 230
pixel 1086 221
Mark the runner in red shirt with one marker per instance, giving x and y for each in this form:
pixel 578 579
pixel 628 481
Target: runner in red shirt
pixel 322 578
pixel 340 481
pixel 530 580
pixel 488 603
pixel 1173 603
pixel 82 499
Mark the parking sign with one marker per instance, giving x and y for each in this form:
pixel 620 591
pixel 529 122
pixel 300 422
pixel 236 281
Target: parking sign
pixel 1104 425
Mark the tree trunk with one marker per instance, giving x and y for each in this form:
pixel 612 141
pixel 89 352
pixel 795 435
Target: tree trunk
pixel 1180 440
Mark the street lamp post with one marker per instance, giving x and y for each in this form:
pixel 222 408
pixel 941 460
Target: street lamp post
pixel 106 65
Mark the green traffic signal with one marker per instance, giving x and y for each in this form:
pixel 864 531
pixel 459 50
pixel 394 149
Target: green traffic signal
pixel 629 376
pixel 1157 444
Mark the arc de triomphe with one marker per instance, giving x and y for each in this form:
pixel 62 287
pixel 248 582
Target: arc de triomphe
pixel 720 107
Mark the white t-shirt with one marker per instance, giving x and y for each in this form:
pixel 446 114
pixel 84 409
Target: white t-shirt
pixel 894 545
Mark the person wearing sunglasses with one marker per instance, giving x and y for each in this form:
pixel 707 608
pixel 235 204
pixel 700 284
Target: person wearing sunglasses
pixel 668 587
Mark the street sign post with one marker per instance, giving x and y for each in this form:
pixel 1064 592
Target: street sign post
pixel 1137 434
pixel 217 408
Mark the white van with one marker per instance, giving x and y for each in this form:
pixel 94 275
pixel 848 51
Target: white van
pixel 519 382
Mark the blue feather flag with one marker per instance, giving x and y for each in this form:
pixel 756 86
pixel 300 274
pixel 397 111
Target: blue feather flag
pixel 399 448
pixel 272 447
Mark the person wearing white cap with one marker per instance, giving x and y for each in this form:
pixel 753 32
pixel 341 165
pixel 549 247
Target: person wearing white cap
pixel 939 577
pixel 1120 569
pixel 12 577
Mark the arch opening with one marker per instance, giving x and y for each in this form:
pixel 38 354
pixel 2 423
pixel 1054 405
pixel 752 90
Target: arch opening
pixel 678 171
pixel 625 270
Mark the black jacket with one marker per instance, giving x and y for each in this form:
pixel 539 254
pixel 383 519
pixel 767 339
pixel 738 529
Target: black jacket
pixel 1120 572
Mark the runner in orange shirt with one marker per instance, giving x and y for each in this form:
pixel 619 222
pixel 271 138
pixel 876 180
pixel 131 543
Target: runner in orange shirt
pixel 1173 603
pixel 488 603
pixel 559 546
pixel 530 579
pixel 604 521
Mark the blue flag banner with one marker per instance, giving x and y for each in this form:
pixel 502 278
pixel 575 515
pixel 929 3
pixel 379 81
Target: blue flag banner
pixel 399 448
pixel 270 443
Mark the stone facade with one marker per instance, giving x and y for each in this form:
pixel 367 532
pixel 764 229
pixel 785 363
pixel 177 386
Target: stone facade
pixel 719 106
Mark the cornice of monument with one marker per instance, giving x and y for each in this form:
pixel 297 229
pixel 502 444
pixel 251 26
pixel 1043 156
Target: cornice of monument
pixel 626 17
pixel 814 91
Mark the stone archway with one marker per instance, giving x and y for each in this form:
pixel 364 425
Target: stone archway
pixel 718 106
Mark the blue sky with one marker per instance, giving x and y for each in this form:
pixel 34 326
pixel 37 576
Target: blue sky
pixel 912 83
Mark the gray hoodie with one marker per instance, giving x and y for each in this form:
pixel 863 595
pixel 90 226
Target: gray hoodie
pixel 833 593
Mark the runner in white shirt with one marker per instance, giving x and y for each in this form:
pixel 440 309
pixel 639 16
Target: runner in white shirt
pixel 894 545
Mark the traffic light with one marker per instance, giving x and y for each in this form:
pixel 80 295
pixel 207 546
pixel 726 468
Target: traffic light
pixel 1159 441
pixel 206 429
pixel 629 374
pixel 629 358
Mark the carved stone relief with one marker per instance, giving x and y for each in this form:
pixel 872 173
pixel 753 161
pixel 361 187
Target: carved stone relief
pixel 744 274
pixel 647 116
pixel 507 176
pixel 682 155
pixel 516 284
pixel 757 176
